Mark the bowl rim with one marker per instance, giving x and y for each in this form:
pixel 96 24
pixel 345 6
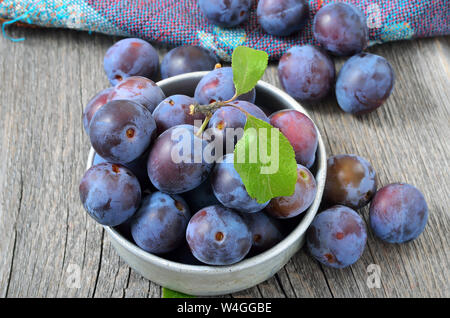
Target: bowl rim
pixel 261 258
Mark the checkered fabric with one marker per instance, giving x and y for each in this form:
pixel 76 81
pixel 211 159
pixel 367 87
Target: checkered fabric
pixel 180 22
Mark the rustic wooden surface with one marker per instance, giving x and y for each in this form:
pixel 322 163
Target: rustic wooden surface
pixel 45 236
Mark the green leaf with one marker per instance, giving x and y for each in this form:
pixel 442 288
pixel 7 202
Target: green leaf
pixel 168 293
pixel 248 66
pixel 265 160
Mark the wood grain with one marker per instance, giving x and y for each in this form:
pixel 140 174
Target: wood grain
pixel 45 236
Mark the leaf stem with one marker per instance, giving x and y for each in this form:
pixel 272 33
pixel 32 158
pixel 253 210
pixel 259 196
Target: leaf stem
pixel 232 99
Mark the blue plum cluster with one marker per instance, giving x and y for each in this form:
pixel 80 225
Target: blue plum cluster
pixel 147 143
pixel 276 17
pixel 151 167
pixel 308 74
pixel 398 212
pixel 363 84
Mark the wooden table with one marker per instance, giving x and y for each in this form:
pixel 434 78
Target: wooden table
pixel 46 237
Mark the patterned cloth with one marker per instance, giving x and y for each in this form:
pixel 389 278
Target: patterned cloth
pixel 180 22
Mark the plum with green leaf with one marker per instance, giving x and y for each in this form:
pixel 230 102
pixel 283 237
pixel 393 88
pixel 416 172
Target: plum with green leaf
pixel 272 172
pixel 229 188
pixel 217 86
pixel 228 122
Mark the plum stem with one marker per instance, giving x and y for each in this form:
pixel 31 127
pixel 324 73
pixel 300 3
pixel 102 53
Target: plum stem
pixel 209 110
pixel 204 109
pixel 203 126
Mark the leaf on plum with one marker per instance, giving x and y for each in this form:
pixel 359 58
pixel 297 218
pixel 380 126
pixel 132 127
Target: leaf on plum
pixel 265 160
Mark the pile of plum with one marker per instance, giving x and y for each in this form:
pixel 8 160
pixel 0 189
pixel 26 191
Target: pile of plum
pixel 337 237
pixel 276 17
pixel 198 211
pixel 307 72
pixel 195 211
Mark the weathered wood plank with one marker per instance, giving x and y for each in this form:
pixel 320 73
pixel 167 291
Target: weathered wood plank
pixel 46 237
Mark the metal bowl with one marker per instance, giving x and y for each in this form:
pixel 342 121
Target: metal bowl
pixel 219 280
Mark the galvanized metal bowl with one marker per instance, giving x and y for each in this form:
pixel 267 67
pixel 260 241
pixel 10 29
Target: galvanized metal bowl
pixel 219 280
